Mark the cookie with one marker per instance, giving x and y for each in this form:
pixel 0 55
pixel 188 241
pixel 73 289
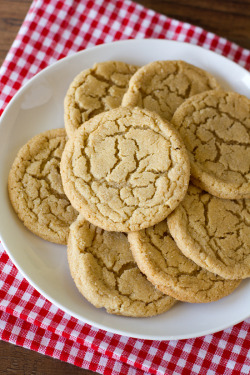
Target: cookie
pixel 215 127
pixel 213 232
pixel 159 258
pixel 96 90
pixel 35 187
pixel 125 169
pixel 162 86
pixel 105 272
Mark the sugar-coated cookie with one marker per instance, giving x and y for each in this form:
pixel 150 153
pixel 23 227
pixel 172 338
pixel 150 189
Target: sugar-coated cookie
pixel 35 187
pixel 162 86
pixel 96 90
pixel 213 232
pixel 215 127
pixel 160 259
pixel 105 272
pixel 125 169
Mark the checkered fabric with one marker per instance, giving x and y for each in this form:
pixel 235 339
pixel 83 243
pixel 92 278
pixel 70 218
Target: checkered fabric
pixel 52 30
pixel 23 333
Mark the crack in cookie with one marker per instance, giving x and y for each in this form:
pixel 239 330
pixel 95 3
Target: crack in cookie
pixel 104 271
pixel 162 86
pixel 125 170
pixel 159 258
pixel 94 91
pixel 213 232
pixel 215 127
pixel 35 187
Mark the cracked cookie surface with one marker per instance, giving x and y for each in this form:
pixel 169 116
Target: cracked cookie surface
pixel 213 232
pixel 35 187
pixel 96 90
pixel 104 271
pixel 162 86
pixel 125 170
pixel 215 127
pixel 160 259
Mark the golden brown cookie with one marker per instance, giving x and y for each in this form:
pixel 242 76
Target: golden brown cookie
pixel 35 187
pixel 125 169
pixel 160 259
pixel 215 127
pixel 162 86
pixel 105 272
pixel 213 232
pixel 96 90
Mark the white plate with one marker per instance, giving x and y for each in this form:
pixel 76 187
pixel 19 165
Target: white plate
pixel 38 106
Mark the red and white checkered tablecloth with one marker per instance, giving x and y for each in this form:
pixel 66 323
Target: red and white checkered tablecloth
pixel 51 30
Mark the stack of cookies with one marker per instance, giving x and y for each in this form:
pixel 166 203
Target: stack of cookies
pixel 148 185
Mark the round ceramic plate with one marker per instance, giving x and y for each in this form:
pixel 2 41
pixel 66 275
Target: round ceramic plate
pixel 38 106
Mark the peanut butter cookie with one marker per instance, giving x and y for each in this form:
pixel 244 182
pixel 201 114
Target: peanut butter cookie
pixel 125 169
pixel 213 232
pixel 105 272
pixel 96 90
pixel 215 127
pixel 35 187
pixel 159 258
pixel 162 86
